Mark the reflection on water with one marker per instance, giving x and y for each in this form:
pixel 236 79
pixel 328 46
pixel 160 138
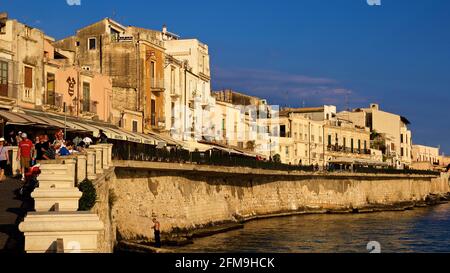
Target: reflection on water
pixel 419 230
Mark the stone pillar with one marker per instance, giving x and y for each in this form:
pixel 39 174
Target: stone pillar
pixel 105 157
pixel 79 232
pixel 81 167
pixel 56 189
pixel 15 164
pixel 90 158
pixel 98 158
pixel 57 217
pixel 110 148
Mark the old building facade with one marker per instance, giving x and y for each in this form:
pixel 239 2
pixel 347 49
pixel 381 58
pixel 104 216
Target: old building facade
pixel 198 104
pixel 134 59
pixel 36 75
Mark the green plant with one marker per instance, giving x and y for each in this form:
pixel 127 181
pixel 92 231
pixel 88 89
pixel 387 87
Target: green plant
pixel 112 198
pixel 89 197
pixel 277 158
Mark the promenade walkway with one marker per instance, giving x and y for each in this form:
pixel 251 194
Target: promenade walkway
pixel 12 211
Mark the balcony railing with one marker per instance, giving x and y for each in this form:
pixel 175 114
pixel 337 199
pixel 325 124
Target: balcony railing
pixel 89 107
pixel 342 149
pixel 157 84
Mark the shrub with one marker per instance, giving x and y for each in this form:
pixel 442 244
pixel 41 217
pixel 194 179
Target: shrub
pixel 277 158
pixel 89 197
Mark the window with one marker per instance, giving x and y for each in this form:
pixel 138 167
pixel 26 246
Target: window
pixel 77 43
pixel 282 130
pixel 172 116
pixel 28 77
pixel 28 82
pixel 401 138
pixel 153 112
pixel 172 80
pixel 329 140
pixel 92 43
pixel 50 88
pixel 204 64
pixel 114 35
pixel 402 152
pixel 344 142
pixel 359 145
pixel 3 78
pixel 352 145
pixel 135 126
pixel 365 145
pixel 86 96
pixel 152 73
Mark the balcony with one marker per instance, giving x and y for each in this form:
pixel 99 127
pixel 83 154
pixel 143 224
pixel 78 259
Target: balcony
pixel 89 108
pixel 347 150
pixel 157 85
pixel 55 104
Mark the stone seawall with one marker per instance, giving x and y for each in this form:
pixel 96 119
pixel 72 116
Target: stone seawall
pixel 187 197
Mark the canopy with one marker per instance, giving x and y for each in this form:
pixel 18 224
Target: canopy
pixel 53 121
pixel 358 161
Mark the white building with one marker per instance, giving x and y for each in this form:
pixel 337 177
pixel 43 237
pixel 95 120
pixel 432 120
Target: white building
pixel 196 100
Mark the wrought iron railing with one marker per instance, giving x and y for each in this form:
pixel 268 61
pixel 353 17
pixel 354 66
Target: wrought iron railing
pixel 143 152
pixel 123 150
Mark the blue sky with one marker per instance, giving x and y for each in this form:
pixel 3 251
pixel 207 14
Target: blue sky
pixel 302 52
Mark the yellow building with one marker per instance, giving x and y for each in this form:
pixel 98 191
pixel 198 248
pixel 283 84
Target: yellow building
pixel 393 128
pixel 345 140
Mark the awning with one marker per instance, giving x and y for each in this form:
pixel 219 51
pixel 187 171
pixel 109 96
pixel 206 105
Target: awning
pixel 195 146
pixel 168 140
pixel 49 120
pixel 358 161
pixel 26 119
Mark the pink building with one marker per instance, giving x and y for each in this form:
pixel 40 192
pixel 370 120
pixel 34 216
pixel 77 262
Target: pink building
pixel 84 93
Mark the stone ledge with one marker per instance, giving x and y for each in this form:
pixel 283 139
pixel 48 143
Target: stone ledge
pixel 162 166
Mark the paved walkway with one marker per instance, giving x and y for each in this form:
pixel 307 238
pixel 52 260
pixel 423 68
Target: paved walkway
pixel 12 212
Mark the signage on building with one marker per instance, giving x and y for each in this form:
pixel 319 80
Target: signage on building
pixel 71 88
pixel 125 38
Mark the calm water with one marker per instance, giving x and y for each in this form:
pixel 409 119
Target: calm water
pixel 419 230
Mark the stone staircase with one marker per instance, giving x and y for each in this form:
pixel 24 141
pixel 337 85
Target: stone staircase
pixel 57 225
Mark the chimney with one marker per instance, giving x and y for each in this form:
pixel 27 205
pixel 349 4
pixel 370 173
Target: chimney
pixel 164 29
pixel 374 106
pixel 3 18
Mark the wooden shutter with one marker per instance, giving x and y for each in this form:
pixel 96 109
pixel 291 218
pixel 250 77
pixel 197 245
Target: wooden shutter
pixel 28 77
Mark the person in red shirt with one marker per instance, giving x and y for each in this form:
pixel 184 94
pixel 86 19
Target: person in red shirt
pixel 26 150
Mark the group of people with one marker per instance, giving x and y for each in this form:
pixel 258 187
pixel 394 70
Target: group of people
pixel 41 149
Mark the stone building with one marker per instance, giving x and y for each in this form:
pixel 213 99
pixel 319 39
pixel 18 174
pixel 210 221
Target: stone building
pixel 344 140
pixel 36 75
pixel 300 139
pixel 197 101
pixel 316 136
pixel 235 119
pixel 134 59
pixel 422 153
pixel 393 128
pixel 21 64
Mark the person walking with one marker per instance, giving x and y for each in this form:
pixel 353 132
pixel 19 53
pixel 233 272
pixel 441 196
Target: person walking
pixel 157 232
pixel 4 159
pixel 26 149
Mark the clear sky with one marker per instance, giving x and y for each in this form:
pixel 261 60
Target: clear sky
pixel 299 52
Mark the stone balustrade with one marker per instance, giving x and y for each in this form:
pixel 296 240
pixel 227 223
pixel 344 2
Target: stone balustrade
pixel 56 217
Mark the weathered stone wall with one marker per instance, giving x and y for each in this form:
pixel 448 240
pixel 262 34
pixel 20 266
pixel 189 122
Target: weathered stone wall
pixel 186 197
pixel 105 200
